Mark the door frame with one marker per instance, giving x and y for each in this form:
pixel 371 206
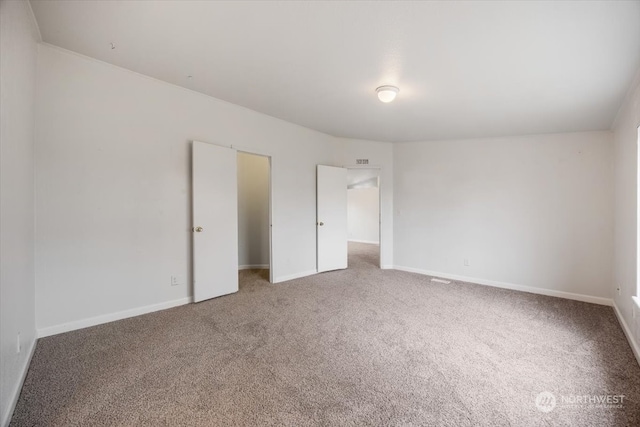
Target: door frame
pixel 379 169
pixel 270 159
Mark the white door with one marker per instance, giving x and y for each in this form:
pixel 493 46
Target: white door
pixel 332 218
pixel 215 221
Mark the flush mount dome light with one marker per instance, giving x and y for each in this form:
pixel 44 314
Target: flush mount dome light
pixel 387 93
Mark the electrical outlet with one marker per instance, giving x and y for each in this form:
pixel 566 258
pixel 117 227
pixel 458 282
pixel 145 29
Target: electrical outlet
pixel 178 280
pixel 466 262
pixel 18 344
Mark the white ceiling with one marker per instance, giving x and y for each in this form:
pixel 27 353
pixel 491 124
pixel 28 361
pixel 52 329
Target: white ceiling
pixel 465 69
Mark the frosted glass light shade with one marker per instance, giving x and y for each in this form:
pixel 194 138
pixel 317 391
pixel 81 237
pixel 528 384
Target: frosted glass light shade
pixel 387 93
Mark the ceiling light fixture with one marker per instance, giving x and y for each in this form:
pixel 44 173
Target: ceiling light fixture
pixel 387 93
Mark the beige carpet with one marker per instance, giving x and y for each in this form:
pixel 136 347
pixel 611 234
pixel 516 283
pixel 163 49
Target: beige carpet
pixel 355 347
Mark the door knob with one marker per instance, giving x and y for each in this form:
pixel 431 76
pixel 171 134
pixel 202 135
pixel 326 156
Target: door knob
pixel 321 223
pixel 198 229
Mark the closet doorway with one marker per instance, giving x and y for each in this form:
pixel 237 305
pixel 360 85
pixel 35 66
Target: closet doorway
pixel 254 212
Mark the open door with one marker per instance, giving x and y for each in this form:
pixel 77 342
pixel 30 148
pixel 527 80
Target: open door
pixel 332 229
pixel 215 221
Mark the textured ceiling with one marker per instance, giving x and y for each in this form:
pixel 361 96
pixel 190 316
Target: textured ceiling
pixel 465 69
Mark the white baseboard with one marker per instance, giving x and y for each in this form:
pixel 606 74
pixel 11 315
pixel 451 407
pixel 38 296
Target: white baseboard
pixel 294 276
pixel 253 267
pixel 15 395
pixel 371 242
pixel 106 318
pixel 627 332
pixel 504 285
pixel 386 267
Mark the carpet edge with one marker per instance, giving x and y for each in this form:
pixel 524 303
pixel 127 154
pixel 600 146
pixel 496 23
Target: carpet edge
pixel 627 333
pixel 111 317
pixel 511 286
pixel 15 395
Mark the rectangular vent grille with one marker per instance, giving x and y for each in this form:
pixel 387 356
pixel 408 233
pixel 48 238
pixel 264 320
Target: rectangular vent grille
pixel 362 161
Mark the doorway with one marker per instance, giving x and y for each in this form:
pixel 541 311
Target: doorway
pixel 363 215
pixel 254 213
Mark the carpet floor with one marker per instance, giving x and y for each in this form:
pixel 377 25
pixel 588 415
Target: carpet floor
pixel 356 347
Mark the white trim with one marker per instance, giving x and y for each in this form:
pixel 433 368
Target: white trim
pixel 253 267
pixel 504 285
pixel 387 267
pixel 627 332
pixel 15 395
pixel 295 276
pixel 371 242
pixel 106 318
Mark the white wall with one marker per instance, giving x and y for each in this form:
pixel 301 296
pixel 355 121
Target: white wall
pixel 626 210
pixel 18 55
pixel 253 211
pixel 363 210
pixel 113 188
pixel 527 211
pixel 380 155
